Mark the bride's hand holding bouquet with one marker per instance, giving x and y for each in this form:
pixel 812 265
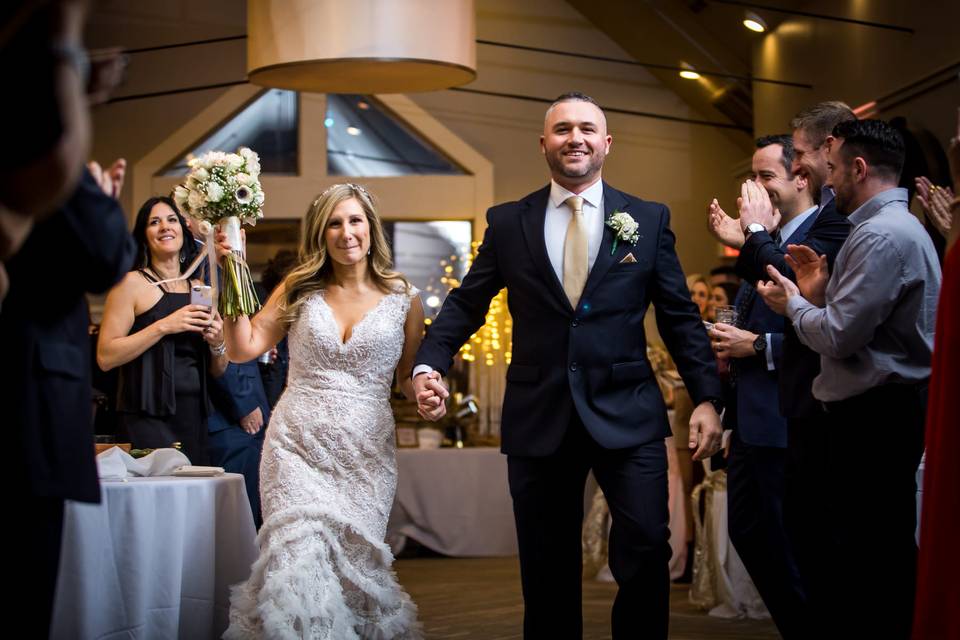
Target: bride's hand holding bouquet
pixel 223 189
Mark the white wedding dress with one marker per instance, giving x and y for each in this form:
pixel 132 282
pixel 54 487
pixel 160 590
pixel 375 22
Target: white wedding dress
pixel 327 480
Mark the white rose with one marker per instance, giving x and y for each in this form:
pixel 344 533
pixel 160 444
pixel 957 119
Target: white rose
pixel 253 166
pixel 196 200
pixel 201 174
pixel 258 197
pixel 214 192
pixel 244 179
pixel 234 162
pixel 180 195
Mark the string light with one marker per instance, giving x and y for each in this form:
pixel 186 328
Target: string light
pixel 494 340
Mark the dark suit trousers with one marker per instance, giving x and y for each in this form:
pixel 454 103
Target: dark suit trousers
pixel 548 507
pixel 874 446
pixel 36 558
pixel 756 484
pixel 808 490
pixel 239 452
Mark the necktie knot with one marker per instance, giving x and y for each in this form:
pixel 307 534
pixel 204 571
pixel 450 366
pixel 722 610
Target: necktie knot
pixel 575 203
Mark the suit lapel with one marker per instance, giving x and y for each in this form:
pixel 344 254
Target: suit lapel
pixel 533 213
pixel 801 232
pixel 613 200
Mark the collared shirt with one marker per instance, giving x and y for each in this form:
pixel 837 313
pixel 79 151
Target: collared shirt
pixel 826 197
pixel 787 230
pixel 881 303
pixel 555 230
pixel 558 219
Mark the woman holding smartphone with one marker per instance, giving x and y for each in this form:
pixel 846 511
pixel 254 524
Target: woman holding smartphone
pixel 161 339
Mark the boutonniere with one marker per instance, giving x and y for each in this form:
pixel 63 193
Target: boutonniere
pixel 624 228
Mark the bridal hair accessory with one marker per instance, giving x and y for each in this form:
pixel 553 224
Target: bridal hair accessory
pixel 353 185
pixel 224 189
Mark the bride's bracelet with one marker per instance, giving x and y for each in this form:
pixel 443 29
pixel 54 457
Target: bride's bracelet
pixel 219 350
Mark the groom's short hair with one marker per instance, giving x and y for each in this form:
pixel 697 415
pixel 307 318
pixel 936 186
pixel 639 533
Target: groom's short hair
pixel 571 96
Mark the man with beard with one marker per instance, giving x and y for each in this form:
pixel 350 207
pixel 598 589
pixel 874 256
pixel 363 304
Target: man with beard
pixel 580 393
pixel 807 483
pixel 756 466
pixel 871 318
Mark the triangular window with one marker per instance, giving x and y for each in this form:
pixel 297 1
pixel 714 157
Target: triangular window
pixel 268 125
pixel 365 139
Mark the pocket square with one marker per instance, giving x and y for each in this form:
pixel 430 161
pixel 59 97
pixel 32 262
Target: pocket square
pixel 628 259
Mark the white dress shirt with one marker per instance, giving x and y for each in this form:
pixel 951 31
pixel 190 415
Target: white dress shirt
pixel 555 230
pixel 558 219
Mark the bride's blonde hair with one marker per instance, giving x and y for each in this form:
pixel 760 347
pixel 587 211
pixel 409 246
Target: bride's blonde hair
pixel 313 270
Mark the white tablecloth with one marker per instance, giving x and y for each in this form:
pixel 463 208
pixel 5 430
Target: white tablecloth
pixel 155 559
pixel 454 501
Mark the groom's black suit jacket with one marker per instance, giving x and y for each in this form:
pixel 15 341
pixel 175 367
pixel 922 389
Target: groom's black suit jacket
pixel 591 360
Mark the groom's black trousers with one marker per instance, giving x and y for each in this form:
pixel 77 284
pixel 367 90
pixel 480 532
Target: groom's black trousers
pixel 548 507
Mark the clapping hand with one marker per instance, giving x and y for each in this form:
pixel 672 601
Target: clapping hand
pixel 111 180
pixel 811 270
pixel 755 207
pixel 936 204
pixel 430 393
pixel 723 227
pixel 778 291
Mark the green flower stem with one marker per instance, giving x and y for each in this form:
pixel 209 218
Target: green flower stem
pixel 238 297
pixel 614 249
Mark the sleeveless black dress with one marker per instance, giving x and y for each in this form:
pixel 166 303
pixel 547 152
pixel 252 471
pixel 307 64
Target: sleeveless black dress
pixel 162 395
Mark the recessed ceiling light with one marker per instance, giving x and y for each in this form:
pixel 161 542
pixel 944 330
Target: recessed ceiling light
pixel 754 22
pixel 688 73
pixel 353 131
pixel 363 105
pixel 328 123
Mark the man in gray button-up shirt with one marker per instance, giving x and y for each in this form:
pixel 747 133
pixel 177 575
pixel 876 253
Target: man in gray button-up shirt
pixel 873 323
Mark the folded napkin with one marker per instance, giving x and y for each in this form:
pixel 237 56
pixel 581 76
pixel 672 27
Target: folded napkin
pixel 115 463
pixel 199 472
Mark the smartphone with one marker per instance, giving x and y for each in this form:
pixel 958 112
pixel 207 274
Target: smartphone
pixel 201 294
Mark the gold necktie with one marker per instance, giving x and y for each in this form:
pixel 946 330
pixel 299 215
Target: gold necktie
pixel 575 252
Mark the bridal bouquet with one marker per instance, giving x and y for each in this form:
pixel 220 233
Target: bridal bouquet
pixel 224 189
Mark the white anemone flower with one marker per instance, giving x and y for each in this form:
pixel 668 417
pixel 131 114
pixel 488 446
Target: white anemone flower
pixel 243 195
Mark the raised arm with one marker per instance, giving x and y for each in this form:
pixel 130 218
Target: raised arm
pixel 246 339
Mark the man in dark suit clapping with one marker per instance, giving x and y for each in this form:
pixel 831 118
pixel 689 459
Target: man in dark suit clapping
pixel 582 262
pixel 82 247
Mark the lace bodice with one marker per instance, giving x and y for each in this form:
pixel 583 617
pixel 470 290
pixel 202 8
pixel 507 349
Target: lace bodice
pixel 364 364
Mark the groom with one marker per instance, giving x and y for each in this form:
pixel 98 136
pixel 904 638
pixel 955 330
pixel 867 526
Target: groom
pixel 580 392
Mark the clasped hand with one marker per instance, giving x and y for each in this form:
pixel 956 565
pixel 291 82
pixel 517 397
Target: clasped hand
pixel 431 393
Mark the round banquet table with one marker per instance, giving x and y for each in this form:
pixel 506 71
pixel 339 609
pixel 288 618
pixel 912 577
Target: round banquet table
pixel 155 559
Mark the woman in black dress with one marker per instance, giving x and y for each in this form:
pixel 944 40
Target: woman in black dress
pixel 162 343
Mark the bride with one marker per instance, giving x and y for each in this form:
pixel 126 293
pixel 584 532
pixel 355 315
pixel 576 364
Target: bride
pixel 328 472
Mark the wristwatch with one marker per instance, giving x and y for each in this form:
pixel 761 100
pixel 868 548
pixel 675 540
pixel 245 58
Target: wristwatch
pixel 760 344
pixel 753 227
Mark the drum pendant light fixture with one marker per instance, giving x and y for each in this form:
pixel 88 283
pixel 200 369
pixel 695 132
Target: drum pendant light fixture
pixel 361 46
